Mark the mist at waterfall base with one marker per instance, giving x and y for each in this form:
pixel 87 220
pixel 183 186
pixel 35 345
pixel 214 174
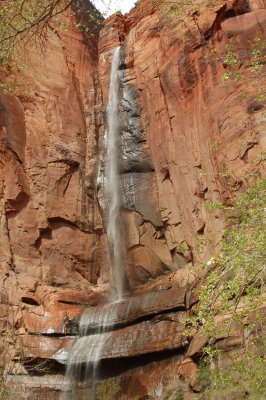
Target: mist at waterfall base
pixel 96 325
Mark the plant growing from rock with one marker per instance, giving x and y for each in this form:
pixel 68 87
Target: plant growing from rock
pixel 182 8
pixel 108 390
pixel 253 62
pixel 234 290
pixel 243 379
pixel 233 295
pixel 3 386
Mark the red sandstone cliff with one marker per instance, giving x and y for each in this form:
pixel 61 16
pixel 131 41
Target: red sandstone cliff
pixel 197 141
pixel 49 247
pixel 202 142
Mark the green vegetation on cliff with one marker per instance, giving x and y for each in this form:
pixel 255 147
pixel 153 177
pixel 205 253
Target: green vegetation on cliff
pixel 232 300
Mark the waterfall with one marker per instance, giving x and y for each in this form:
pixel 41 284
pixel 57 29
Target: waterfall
pixel 114 226
pixel 78 372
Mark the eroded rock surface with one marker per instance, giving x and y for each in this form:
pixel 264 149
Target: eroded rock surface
pixel 133 309
pixel 146 337
pixel 50 227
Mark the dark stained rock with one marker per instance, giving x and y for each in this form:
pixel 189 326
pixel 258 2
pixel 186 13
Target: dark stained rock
pixel 132 309
pixel 146 337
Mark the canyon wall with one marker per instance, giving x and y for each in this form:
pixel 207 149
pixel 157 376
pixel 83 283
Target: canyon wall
pixel 191 139
pixel 187 140
pixel 50 227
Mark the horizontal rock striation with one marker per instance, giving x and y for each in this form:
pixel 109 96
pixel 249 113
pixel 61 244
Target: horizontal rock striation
pixel 146 337
pixel 131 309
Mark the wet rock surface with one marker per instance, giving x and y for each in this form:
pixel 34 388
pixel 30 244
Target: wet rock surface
pixel 132 309
pixel 159 335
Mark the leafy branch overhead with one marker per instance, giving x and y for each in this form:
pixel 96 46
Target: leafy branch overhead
pixel 22 21
pixel 18 18
pixel 26 24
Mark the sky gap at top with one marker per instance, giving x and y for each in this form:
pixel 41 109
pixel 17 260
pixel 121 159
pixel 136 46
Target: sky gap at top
pixel 108 7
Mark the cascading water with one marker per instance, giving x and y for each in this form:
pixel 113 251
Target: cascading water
pixel 114 226
pixel 96 327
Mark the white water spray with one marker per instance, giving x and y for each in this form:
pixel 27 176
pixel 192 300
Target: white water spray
pixel 102 319
pixel 114 226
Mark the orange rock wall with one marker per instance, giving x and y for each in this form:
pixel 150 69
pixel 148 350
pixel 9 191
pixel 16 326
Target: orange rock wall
pixel 204 143
pixel 50 227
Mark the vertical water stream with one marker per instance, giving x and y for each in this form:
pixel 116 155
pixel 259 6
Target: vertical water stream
pixel 77 373
pixel 114 226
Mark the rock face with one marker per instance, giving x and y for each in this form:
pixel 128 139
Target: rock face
pixel 186 139
pixel 147 337
pixel 189 137
pixel 134 308
pixel 50 227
